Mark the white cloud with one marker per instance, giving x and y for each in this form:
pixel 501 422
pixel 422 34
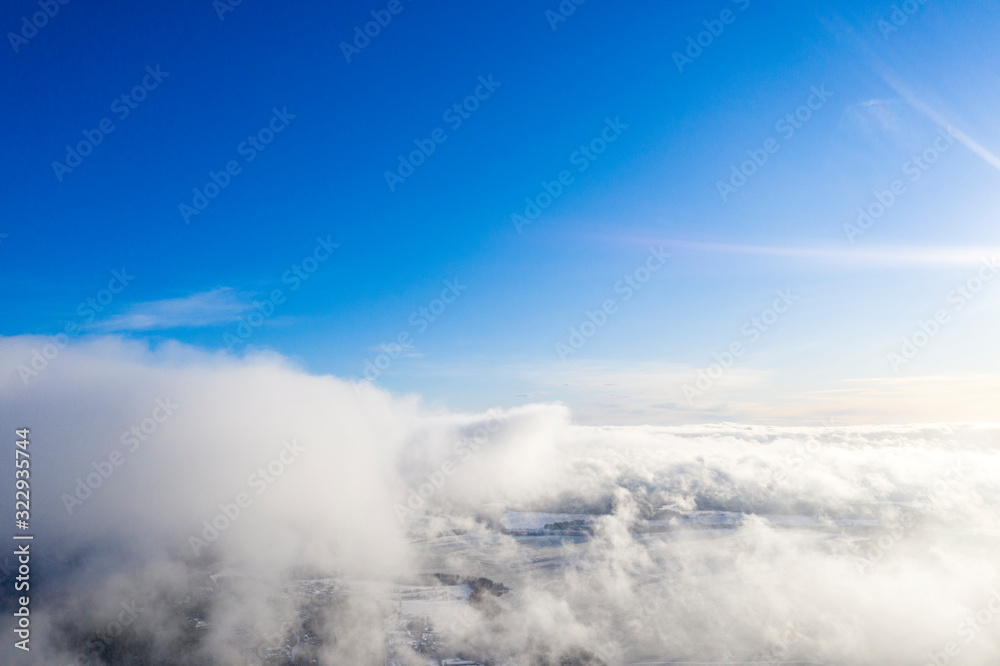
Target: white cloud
pixel 916 256
pixel 817 532
pixel 222 305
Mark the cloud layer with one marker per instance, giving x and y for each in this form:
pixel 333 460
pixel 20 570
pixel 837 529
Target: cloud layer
pixel 160 473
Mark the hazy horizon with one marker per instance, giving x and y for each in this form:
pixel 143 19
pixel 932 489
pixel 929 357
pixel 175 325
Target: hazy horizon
pixel 557 333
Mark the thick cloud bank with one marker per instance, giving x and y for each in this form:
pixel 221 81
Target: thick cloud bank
pixel 193 509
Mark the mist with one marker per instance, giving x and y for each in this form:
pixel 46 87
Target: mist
pixel 193 507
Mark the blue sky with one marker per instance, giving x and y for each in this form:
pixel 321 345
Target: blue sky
pixel 884 86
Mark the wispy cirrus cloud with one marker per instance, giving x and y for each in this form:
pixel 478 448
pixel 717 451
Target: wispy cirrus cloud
pixel 881 256
pixel 915 256
pixel 222 305
pixel 396 349
pixel 904 91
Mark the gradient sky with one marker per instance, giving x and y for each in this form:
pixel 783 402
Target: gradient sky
pixel 889 91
